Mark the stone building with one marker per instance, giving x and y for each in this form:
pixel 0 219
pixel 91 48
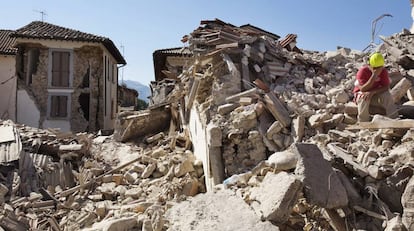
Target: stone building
pixel 67 79
pixel 127 97
pixel 170 62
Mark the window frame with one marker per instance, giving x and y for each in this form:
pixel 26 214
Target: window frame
pixel 50 68
pixel 52 93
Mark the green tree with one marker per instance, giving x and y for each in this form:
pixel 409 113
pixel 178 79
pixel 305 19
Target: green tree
pixel 141 105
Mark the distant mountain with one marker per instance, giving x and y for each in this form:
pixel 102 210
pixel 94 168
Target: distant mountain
pixel 143 90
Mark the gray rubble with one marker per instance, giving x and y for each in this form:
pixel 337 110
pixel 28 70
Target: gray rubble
pixel 251 135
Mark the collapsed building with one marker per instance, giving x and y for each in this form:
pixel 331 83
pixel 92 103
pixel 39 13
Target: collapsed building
pixel 66 78
pixel 245 131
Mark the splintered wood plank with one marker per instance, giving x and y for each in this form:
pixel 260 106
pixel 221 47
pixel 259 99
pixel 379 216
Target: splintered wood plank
pixel 191 97
pixel 348 158
pixel 245 72
pixel 405 123
pixel 248 93
pixel 400 89
pixel 228 45
pixel 277 109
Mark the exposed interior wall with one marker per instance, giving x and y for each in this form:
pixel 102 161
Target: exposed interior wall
pixel 199 139
pixel 27 111
pixel 85 93
pixel 8 86
pixel 87 103
pixel 32 80
pixel 127 97
pixel 110 74
pixel 176 64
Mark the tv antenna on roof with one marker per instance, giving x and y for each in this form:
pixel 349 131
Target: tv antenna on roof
pixel 122 70
pixel 43 13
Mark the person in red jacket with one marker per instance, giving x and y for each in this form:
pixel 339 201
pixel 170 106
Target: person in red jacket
pixel 372 89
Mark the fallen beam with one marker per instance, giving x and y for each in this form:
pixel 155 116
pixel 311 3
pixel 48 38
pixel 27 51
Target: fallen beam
pixel 89 183
pixel 347 158
pixel 405 123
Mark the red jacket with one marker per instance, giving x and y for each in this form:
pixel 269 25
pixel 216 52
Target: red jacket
pixel 365 73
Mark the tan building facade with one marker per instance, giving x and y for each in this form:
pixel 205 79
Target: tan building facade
pixel 68 79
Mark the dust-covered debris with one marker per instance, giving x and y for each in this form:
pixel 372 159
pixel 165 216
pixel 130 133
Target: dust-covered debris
pixel 267 99
pixel 254 134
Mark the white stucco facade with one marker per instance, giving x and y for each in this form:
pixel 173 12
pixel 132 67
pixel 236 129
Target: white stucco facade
pixel 106 100
pixel 7 87
pixel 28 113
pixel 110 90
pixel 199 138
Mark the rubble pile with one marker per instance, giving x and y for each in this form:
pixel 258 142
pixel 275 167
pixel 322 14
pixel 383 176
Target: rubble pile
pixel 254 134
pixel 265 101
pixel 91 180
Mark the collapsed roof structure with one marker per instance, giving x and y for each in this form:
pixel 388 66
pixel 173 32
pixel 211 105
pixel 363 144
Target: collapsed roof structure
pixel 246 132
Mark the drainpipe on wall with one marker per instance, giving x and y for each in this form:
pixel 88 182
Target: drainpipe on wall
pixel 117 96
pixel 119 67
pixel 97 108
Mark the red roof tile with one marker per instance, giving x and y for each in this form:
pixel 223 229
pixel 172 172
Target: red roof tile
pixel 43 30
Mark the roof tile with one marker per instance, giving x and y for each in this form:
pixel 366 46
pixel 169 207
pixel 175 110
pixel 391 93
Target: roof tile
pixel 7 42
pixel 44 30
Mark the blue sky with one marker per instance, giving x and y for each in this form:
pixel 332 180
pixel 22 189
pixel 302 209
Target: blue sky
pixel 141 27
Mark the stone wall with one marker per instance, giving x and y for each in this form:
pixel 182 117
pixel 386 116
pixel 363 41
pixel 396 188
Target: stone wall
pixel 88 59
pixel 87 79
pixel 127 97
pixel 38 87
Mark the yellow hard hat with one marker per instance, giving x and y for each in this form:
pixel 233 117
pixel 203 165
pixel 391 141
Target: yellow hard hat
pixel 376 60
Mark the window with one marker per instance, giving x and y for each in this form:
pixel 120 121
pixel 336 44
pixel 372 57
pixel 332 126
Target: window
pixel 58 106
pixel 60 75
pixel 60 78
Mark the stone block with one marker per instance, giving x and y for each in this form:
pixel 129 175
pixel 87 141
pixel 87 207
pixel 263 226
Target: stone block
pixel 276 196
pixel 322 186
pixel 134 193
pixel 395 224
pixel 298 128
pixel 118 178
pixel 400 89
pixel 149 170
pixel 191 188
pixel 351 108
pixel 183 168
pixel 101 208
pixel 276 127
pixel 244 101
pixel 214 135
pixel 114 224
pixel 221 210
pixel 131 177
pixel 282 161
pixel 410 94
pixel 407 201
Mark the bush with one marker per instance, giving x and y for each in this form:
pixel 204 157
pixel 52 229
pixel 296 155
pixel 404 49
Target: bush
pixel 141 105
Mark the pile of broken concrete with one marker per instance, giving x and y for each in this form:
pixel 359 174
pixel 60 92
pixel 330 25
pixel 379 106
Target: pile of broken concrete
pixel 278 125
pixel 62 181
pixel 282 135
